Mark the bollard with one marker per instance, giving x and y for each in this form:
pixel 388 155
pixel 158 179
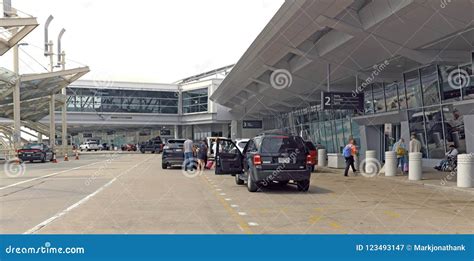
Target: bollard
pixel 414 166
pixel 66 158
pixel 465 170
pixel 390 164
pixel 77 155
pixel 322 158
pixel 370 162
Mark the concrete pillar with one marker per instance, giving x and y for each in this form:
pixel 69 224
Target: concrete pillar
pixel 16 102
pixel 40 137
pixel 176 132
pixel 371 165
pixel 322 162
pixel 465 170
pixel 390 164
pixel 52 127
pixel 414 166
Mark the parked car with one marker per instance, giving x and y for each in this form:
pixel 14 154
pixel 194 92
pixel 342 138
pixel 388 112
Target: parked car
pixel 173 153
pixel 129 147
pixel 154 145
pixel 89 145
pixel 35 151
pixel 241 143
pixel 313 151
pixel 105 146
pixel 267 158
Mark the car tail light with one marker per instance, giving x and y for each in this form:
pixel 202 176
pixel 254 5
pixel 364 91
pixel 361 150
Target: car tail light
pixel 257 160
pixel 309 159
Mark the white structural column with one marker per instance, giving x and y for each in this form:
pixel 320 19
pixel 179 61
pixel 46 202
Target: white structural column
pixel 52 127
pixel 322 158
pixel 465 171
pixel 390 164
pixel 16 102
pixel 176 132
pixel 64 110
pixel 414 166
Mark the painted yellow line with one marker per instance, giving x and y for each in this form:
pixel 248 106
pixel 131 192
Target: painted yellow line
pixel 392 214
pixel 335 225
pixel 240 221
pixel 314 219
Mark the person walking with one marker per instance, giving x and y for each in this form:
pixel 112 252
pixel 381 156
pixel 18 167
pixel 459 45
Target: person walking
pixel 188 153
pixel 202 155
pixel 349 152
pixel 414 145
pixel 401 150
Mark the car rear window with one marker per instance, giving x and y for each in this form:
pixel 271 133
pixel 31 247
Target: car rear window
pixel 175 141
pixel 32 147
pixel 282 144
pixel 310 145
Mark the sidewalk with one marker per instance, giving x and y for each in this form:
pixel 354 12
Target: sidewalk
pixel 431 178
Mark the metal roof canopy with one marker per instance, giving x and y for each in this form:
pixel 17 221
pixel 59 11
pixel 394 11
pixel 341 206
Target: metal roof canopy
pixel 15 29
pixel 35 91
pixel 353 36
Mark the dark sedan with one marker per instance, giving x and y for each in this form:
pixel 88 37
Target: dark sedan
pixel 35 151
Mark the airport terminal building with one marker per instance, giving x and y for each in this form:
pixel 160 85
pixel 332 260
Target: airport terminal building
pixel 129 112
pixel 409 63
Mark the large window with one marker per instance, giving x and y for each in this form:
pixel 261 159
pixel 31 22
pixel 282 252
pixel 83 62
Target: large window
pixel 413 89
pixel 429 83
pixel 454 128
pixel 195 101
pixel 130 101
pixel 434 132
pixel 379 98
pixel 368 100
pixel 391 95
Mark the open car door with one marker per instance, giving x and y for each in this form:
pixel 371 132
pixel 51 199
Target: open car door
pixel 228 157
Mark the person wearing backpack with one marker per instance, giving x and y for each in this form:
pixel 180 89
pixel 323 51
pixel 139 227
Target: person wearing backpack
pixel 349 152
pixel 401 151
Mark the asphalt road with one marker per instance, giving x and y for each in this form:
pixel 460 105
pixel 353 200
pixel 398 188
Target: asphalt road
pixel 130 193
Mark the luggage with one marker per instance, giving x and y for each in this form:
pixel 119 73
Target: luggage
pixel 209 164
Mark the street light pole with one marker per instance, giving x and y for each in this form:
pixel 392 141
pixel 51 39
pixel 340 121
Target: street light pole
pixel 62 63
pixel 49 52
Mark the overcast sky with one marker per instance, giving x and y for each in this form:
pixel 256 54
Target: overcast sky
pixel 145 40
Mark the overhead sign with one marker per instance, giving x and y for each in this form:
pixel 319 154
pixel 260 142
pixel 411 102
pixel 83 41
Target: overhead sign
pixel 252 124
pixel 165 132
pixel 342 101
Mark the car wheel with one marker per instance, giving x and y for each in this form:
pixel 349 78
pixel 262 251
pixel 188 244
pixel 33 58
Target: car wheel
pixel 164 165
pixel 303 185
pixel 238 181
pixel 142 151
pixel 152 151
pixel 283 183
pixel 31 161
pixel 251 184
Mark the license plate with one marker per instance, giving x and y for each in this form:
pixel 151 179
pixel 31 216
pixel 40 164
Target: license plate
pixel 284 160
pixel 178 150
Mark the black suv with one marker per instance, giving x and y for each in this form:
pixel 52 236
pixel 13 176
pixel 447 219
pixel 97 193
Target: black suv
pixel 154 145
pixel 173 153
pixel 267 158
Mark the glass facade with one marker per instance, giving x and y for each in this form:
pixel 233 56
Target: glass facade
pixel 115 100
pixel 195 101
pixel 425 95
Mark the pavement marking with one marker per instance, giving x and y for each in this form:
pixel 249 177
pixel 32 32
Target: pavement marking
pixel 228 199
pixel 222 194
pixel 335 225
pixel 234 206
pixel 240 221
pixel 64 212
pixel 48 175
pixel 253 224
pixel 242 213
pixel 391 214
pixel 80 202
pixel 218 189
pixel 314 219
